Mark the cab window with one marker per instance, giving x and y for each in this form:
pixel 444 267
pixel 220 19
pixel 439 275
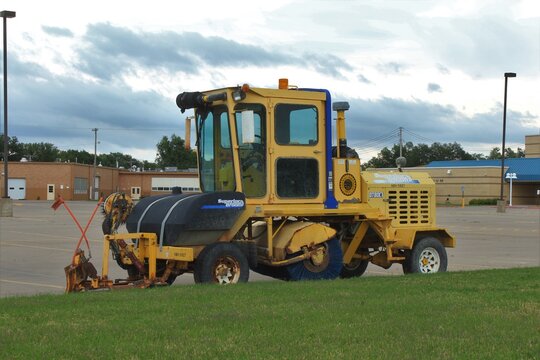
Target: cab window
pixel 297 178
pixel 215 152
pixel 296 124
pixel 253 154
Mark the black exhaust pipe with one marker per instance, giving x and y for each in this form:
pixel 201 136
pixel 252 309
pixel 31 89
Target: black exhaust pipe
pixel 190 100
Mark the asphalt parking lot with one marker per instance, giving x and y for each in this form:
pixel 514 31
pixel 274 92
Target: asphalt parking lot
pixel 37 242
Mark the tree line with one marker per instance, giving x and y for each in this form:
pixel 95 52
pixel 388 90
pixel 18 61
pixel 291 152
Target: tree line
pixel 170 152
pixel 423 154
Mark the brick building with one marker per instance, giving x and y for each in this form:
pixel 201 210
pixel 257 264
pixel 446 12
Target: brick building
pixel 46 181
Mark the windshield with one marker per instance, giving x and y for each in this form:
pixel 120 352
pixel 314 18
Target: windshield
pixel 215 151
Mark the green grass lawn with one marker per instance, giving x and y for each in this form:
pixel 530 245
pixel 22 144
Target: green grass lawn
pixel 491 314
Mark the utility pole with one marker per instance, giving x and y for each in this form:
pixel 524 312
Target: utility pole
pixel 93 187
pixel 400 141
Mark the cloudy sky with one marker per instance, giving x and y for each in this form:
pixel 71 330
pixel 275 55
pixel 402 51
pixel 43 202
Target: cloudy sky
pixel 435 68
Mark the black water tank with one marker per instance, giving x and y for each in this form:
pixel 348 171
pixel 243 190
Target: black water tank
pixel 187 219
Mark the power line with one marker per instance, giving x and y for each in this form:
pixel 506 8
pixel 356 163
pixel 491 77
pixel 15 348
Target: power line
pixel 390 139
pixel 377 140
pixel 420 137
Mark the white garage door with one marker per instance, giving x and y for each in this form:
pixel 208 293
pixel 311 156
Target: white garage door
pixel 17 189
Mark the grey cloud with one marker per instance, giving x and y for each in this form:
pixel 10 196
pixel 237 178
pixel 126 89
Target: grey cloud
pixel 363 79
pixel 368 119
pixel 62 110
pixel 108 51
pixel 219 51
pixel 57 31
pixel 432 87
pixel 327 64
pixel 24 70
pixel 391 67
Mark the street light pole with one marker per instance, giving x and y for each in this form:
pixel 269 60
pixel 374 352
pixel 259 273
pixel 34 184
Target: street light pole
pixel 6 15
pixel 6 208
pixel 500 203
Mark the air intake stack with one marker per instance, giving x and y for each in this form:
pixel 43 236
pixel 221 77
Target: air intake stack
pixel 341 107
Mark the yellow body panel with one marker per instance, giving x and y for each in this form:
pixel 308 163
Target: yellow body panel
pixel 290 237
pixel 298 235
pixel 407 198
pixel 347 182
pixel 289 94
pixel 149 248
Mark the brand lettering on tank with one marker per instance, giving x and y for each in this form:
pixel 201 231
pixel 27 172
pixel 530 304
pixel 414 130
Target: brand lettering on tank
pixel 235 203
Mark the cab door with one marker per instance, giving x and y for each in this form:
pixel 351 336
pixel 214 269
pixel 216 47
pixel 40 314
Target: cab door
pixel 297 152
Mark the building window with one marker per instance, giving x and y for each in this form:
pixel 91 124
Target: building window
pixel 170 188
pixel 80 186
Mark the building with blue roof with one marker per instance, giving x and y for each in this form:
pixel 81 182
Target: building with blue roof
pixel 481 179
pixel 526 169
pixel 460 181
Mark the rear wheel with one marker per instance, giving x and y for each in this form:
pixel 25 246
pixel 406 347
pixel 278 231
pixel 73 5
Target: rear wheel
pixel 221 263
pixel 427 256
pixel 325 264
pixel 354 269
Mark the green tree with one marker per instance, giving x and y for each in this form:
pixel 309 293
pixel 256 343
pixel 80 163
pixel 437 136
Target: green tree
pixel 495 153
pixel 14 148
pixel 44 152
pixel 77 156
pixel 420 155
pixel 118 159
pixel 149 165
pixel 172 152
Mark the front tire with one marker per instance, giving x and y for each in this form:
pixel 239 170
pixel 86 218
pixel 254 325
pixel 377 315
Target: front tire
pixel 328 267
pixel 221 263
pixel 428 256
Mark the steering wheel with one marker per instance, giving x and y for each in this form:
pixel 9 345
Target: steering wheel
pixel 253 156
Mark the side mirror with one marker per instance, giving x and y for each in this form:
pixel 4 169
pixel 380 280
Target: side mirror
pixel 248 127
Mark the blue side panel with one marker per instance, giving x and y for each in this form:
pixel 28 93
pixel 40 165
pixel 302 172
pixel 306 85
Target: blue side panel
pixel 331 202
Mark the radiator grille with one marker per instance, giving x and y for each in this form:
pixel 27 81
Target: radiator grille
pixel 409 206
